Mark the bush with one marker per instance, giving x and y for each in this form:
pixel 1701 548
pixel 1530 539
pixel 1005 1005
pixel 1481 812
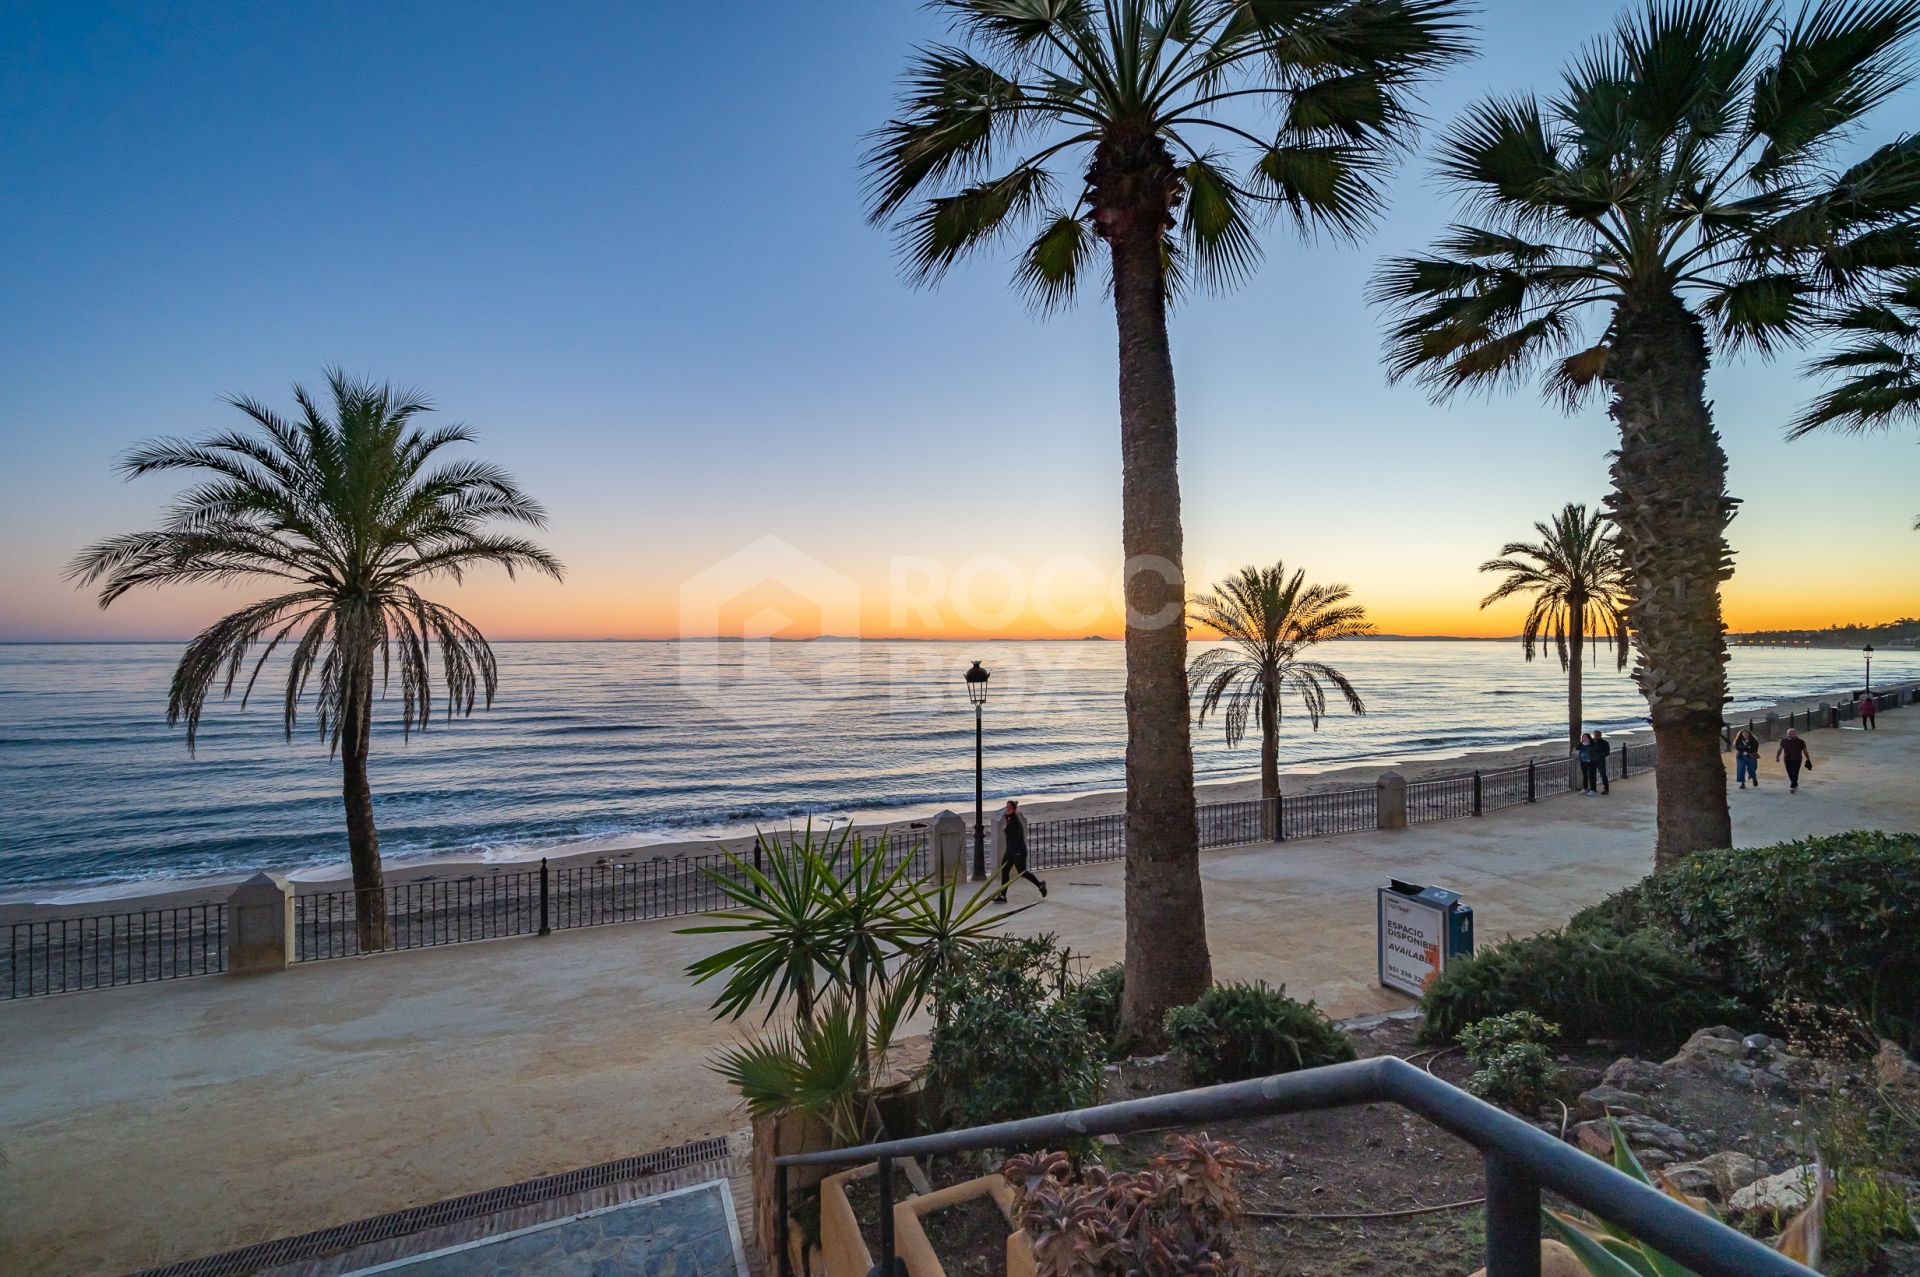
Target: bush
pixel 1006 1042
pixel 1516 1069
pixel 1238 1031
pixel 1175 1217
pixel 1592 983
pixel 1096 1000
pixel 1823 919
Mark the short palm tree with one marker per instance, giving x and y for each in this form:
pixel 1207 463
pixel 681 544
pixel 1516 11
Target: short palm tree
pixel 1266 620
pixel 1579 593
pixel 1679 190
pixel 344 514
pixel 1167 130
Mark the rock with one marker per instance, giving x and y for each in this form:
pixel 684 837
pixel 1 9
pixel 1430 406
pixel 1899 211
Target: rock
pixel 1893 1067
pixel 1633 1075
pixel 1719 1176
pixel 1595 1138
pixel 1718 1042
pixel 1555 1261
pixel 1781 1194
pixel 1758 1044
pixel 1643 1131
pixel 1604 1099
pixel 1653 1158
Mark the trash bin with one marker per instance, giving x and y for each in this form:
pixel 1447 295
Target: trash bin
pixel 1421 930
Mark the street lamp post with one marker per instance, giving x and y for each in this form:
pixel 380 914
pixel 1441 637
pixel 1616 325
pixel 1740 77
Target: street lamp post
pixel 1868 650
pixel 977 693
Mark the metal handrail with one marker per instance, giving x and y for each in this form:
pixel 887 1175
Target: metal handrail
pixel 1520 1160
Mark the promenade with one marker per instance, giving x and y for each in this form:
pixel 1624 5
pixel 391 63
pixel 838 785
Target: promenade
pixel 151 1123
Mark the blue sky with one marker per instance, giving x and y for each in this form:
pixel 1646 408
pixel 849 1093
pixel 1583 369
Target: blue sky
pixel 625 243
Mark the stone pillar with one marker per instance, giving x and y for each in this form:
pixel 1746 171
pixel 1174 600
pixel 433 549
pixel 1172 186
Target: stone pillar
pixel 260 925
pixel 1391 799
pixel 1770 729
pixel 1829 716
pixel 949 848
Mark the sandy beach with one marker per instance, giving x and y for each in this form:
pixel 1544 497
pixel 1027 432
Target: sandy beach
pixel 75 902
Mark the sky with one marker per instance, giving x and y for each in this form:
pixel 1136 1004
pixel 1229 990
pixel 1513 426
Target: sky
pixel 625 243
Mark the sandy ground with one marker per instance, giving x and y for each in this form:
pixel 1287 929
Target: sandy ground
pixel 153 1123
pixel 1037 807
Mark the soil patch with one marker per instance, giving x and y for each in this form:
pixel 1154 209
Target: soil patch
pixel 863 1195
pixel 970 1238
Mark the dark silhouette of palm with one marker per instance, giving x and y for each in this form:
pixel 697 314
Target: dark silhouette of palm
pixel 1579 593
pixel 1875 375
pixel 1680 189
pixel 1266 620
pixel 1169 131
pixel 342 514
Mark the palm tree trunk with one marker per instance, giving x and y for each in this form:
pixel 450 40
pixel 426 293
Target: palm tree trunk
pixel 1671 507
pixel 1577 635
pixel 1269 758
pixel 1167 962
pixel 363 840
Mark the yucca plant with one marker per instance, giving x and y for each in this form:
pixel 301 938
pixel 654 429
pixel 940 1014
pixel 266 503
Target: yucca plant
pixel 813 1068
pixel 1685 191
pixel 1606 1250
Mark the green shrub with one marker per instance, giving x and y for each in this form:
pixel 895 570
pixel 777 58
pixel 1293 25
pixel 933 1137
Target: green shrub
pixel 1238 1031
pixel 1096 1000
pixel 1824 919
pixel 1592 983
pixel 1516 1066
pixel 1007 1044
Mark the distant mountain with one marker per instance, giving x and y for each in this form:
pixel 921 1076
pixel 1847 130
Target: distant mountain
pixel 1901 634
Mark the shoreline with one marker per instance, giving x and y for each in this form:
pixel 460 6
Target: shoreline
pixel 76 901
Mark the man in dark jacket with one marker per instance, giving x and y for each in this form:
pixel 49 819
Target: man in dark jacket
pixel 1601 748
pixel 1013 851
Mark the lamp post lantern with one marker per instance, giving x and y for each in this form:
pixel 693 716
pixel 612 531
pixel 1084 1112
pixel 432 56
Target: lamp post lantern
pixel 977 693
pixel 1868 651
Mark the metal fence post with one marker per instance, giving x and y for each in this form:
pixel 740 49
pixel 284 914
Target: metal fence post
pixel 1513 1220
pixel 545 930
pixel 783 1258
pixel 886 1267
pixel 1625 751
pixel 1476 793
pixel 1533 792
pixel 1279 818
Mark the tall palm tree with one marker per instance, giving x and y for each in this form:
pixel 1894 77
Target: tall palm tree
pixel 1098 123
pixel 1267 619
pixel 1679 190
pixel 344 515
pixel 1579 594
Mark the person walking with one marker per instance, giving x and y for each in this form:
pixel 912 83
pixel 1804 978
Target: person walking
pixel 1586 763
pixel 1867 710
pixel 1601 748
pixel 1013 851
pixel 1794 752
pixel 1746 757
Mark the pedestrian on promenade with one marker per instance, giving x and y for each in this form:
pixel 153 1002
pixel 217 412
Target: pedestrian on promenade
pixel 1867 710
pixel 1746 757
pixel 1586 763
pixel 1796 755
pixel 1013 851
pixel 1601 748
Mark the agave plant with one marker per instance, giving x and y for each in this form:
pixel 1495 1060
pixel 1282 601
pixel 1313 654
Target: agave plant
pixel 1606 1250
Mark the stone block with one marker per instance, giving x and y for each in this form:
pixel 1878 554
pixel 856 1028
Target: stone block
pixel 260 925
pixel 1391 798
pixel 949 848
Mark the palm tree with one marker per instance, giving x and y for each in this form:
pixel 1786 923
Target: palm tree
pixel 1877 368
pixel 1267 620
pixel 1679 190
pixel 1096 123
pixel 1579 594
pixel 343 513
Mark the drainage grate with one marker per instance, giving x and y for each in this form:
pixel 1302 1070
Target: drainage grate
pixel 329 1241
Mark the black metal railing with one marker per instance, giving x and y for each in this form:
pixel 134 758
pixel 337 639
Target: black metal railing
pixel 1520 1160
pixel 99 951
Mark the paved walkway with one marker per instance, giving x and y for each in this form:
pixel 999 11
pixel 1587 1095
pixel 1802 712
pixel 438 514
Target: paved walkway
pixel 149 1124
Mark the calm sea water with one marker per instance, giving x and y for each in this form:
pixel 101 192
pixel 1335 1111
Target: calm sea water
pixel 646 741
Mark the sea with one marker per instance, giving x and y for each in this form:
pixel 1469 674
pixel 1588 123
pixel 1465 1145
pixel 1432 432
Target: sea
pixel 630 743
